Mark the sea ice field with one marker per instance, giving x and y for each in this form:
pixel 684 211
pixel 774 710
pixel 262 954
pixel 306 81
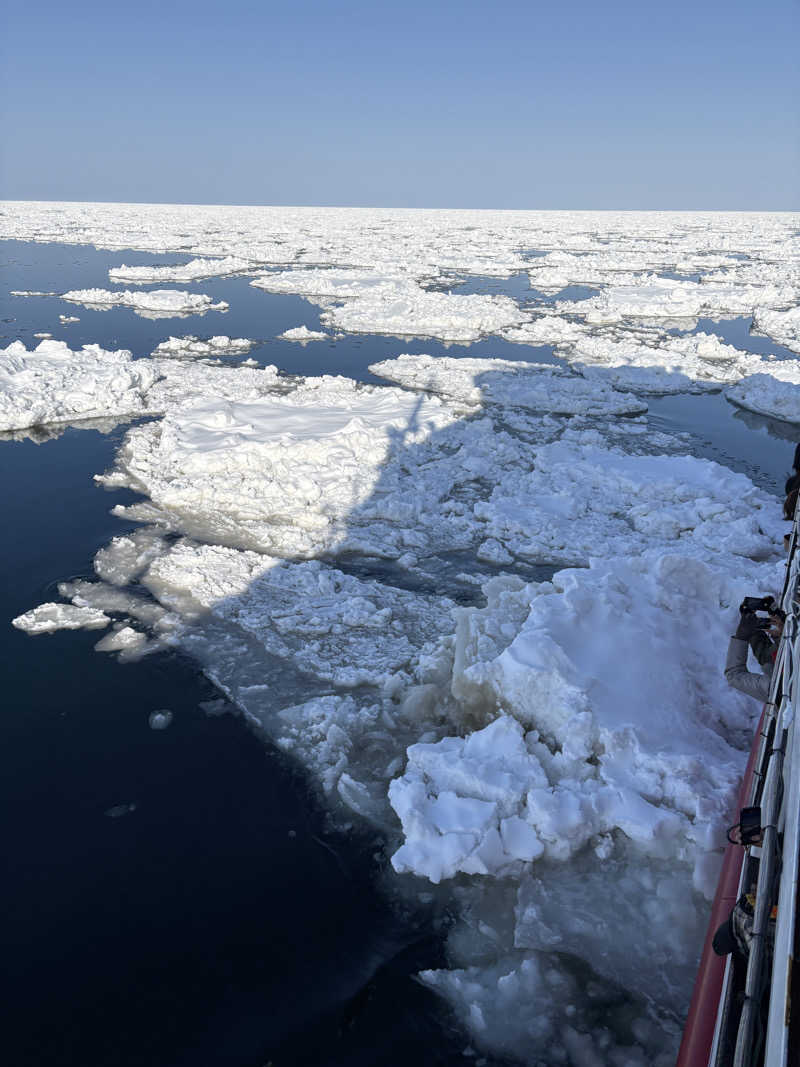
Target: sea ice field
pixel 373 572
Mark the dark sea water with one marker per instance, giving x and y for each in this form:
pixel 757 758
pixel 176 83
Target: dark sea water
pixel 177 897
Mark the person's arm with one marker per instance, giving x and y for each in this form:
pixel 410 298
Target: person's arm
pixel 738 676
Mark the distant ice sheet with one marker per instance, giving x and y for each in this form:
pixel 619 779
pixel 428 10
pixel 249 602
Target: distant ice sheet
pixel 157 303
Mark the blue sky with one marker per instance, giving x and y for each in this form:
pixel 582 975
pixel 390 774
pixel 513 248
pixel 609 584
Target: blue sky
pixel 613 104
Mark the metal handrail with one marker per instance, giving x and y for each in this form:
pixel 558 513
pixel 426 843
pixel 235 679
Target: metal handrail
pixel 778 867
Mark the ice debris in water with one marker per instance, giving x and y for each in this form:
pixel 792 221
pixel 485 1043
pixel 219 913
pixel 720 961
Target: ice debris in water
pixel 119 810
pixel 160 720
pixel 303 334
pixel 157 303
pixel 656 297
pixel 47 618
pixel 67 320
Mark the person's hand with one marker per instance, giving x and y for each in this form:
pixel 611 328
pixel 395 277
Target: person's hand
pixel 750 624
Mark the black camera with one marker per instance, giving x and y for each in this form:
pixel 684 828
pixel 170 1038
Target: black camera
pixel 751 604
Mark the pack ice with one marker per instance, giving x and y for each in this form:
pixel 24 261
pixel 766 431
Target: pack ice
pixel 487 605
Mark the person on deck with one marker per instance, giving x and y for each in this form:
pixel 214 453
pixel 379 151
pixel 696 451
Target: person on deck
pixel 753 632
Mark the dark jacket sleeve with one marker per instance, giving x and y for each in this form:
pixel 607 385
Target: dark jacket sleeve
pixel 755 685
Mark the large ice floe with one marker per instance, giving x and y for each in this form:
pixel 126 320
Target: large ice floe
pixel 155 304
pixel 486 605
pixel 367 302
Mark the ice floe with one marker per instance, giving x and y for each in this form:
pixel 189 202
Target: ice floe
pixel 535 387
pixel 303 334
pixel 657 297
pixel 284 472
pixel 47 618
pixel 781 326
pixel 157 303
pixel 183 272
pixel 417 313
pixel 54 384
pixel 777 397
pixel 191 347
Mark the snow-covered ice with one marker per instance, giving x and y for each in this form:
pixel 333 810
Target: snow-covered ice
pixel 156 304
pixel 778 397
pixel 535 387
pixel 781 326
pixel 303 334
pixel 183 272
pixel 54 384
pixel 655 297
pixel 191 347
pixel 279 474
pixel 47 618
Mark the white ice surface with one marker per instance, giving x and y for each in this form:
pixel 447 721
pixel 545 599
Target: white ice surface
pixel 54 384
pixel 280 474
pixel 302 334
pixel 778 397
pixel 47 618
pixel 417 313
pixel 656 297
pixel 156 304
pixel 395 303
pixel 532 386
pixel 191 347
pixel 782 326
pixel 182 272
